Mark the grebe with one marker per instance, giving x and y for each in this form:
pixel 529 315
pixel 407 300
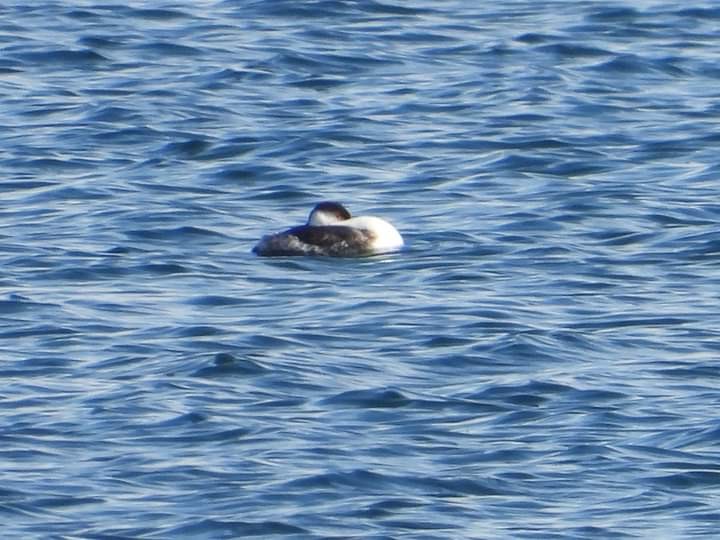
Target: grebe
pixel 331 231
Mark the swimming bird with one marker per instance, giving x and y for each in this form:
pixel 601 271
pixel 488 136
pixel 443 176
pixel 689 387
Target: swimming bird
pixel 331 231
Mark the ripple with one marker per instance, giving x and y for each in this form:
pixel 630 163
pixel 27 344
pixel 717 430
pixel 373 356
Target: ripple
pixel 226 364
pixel 372 399
pixel 63 58
pixel 214 527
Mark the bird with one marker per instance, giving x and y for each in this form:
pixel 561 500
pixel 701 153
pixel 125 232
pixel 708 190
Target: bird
pixel 331 231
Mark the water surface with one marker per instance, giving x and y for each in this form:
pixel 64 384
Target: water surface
pixel 540 362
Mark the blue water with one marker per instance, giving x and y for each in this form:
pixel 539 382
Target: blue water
pixel 542 361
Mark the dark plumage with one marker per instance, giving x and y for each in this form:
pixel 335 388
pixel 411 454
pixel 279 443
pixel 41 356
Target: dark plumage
pixel 330 207
pixel 333 240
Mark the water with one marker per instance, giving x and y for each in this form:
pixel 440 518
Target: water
pixel 541 362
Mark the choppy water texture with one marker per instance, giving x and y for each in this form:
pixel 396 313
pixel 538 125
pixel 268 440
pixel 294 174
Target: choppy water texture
pixel 541 362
